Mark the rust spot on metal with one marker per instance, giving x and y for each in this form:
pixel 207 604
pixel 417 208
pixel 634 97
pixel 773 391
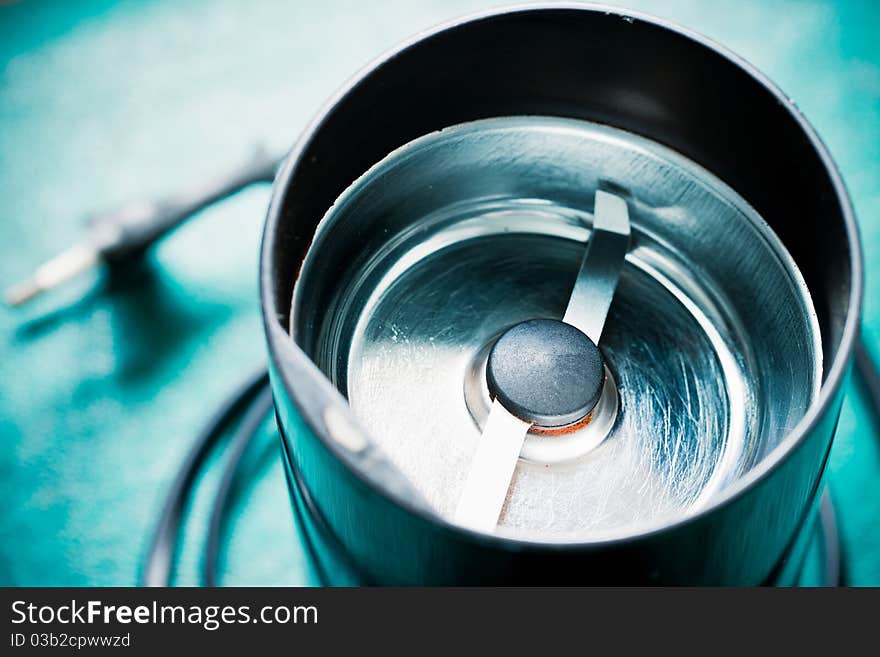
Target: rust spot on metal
pixel 561 431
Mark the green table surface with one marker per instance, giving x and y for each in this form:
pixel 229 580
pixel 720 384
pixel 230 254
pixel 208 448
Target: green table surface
pixel 105 384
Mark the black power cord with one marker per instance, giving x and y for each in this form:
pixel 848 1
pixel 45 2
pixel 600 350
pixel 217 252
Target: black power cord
pixel 869 374
pixel 120 235
pixel 244 435
pixel 159 563
pixel 832 555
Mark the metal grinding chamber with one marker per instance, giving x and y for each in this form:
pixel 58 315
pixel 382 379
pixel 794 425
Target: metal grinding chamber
pixel 564 319
pixel 709 354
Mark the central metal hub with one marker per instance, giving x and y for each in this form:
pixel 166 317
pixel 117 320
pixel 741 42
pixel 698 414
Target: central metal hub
pixel 546 372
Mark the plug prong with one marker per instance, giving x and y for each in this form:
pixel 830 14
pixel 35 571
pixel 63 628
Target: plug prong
pixel 58 270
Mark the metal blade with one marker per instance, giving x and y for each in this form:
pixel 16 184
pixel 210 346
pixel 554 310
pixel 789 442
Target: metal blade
pixel 486 487
pixel 597 279
pixel 492 468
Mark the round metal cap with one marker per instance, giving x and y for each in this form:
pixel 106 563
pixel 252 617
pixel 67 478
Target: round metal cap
pixel 546 372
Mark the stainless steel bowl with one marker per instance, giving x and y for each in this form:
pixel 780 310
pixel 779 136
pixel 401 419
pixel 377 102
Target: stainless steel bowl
pixel 436 202
pixel 712 338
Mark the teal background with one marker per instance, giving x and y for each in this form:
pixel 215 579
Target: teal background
pixel 105 384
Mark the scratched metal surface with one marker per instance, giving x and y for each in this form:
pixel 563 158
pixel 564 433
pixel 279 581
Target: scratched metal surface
pixel 102 101
pixel 442 274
